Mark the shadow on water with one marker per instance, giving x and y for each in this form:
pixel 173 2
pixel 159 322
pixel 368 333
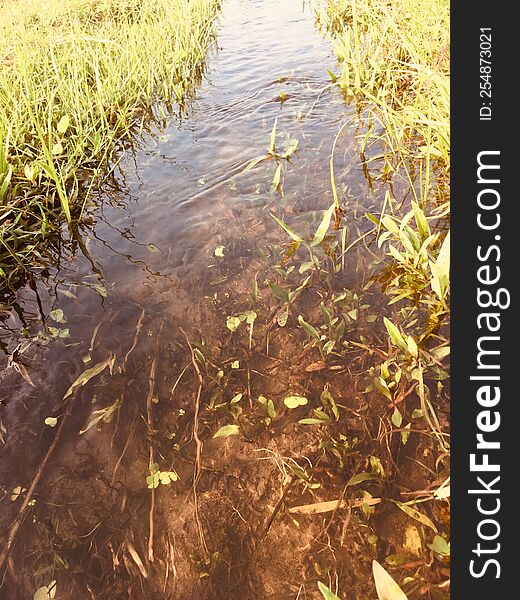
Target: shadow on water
pixel 143 269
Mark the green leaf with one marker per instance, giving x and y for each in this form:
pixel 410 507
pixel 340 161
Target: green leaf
pixel 360 477
pixel 323 227
pixel 103 414
pixel 326 592
pixel 219 251
pixel 276 179
pixel 308 328
pixel 278 292
pixel 232 323
pixel 420 220
pixel 397 417
pixel 57 315
pixel 295 401
pixel 440 545
pixel 282 316
pixel 252 164
pixel 51 421
pixel 57 149
pixel 386 587
pixel 415 514
pixel 395 335
pixel 412 346
pixel 293 234
pixel 167 477
pixel 87 375
pixel 63 124
pixel 390 224
pixel 227 430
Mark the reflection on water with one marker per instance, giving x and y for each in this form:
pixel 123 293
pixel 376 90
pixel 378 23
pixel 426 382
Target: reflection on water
pixel 145 260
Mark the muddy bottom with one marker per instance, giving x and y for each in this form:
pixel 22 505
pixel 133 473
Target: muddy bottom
pixel 168 427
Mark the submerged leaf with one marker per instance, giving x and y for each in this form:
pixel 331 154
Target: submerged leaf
pixel 415 514
pixel 326 592
pixel 295 401
pixel 292 233
pixel 395 335
pixel 323 227
pixel 276 179
pixel 387 588
pixel 87 375
pixel 227 430
pixel 104 414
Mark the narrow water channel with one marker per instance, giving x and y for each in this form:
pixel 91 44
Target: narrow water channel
pixel 172 247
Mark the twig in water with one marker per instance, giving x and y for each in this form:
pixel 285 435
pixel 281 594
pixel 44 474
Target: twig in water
pixel 198 444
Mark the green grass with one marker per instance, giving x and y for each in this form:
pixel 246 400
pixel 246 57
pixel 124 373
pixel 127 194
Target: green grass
pixel 395 56
pixel 76 78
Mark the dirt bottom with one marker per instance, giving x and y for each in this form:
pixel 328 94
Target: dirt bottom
pixel 263 514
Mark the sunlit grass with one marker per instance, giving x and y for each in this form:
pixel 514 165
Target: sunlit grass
pixel 76 77
pixel 396 56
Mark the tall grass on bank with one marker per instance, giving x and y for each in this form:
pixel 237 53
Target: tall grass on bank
pixel 396 55
pixel 76 77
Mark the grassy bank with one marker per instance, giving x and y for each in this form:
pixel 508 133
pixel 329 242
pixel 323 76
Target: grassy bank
pixel 394 65
pixel 395 56
pixel 77 77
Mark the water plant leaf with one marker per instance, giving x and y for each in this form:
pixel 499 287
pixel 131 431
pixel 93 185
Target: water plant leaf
pixel 282 316
pixel 386 587
pixel 272 141
pixel 278 292
pixel 103 414
pixel 167 477
pixel 312 331
pixel 397 417
pixel 395 335
pixel 323 227
pixel 276 179
pixel 326 592
pixel 51 421
pixel 87 375
pixel 232 323
pixel 219 251
pixel 295 401
pixel 292 233
pixel 57 315
pixel 97 287
pixel 440 545
pixel 415 514
pixel 227 430
pixel 252 164
pixel 360 477
pixel 411 344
